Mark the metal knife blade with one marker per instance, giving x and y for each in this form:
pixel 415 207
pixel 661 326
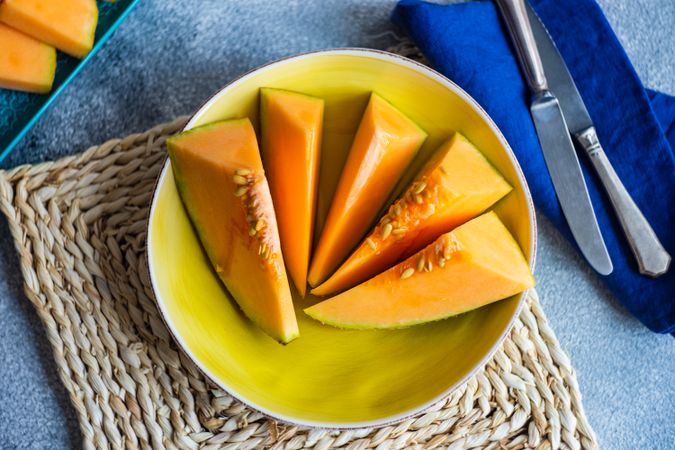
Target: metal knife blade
pixel 560 81
pixel 559 153
pixel 652 258
pixel 568 181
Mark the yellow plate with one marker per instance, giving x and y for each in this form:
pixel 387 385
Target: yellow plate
pixel 330 377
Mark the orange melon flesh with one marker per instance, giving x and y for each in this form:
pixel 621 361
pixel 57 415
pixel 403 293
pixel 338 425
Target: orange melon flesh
pixel 221 181
pixel 25 63
pixel 291 125
pixel 457 184
pixel 68 25
pixel 476 264
pixel 385 144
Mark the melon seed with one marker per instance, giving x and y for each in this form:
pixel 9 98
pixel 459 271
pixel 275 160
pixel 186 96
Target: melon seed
pixel 419 187
pixel 240 191
pixel 420 263
pixel 447 253
pixel 441 262
pixel 418 199
pixel 431 209
pixel 252 231
pixel 259 225
pixel 407 273
pixel 430 266
pixel 371 243
pixel 399 231
pixel 386 231
pixel 397 210
pixel 385 220
pixel 243 172
pixel 238 179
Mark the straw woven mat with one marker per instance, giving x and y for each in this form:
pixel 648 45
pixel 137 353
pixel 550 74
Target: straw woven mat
pixel 79 227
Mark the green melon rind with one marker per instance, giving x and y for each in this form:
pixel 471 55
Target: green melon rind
pixel 362 326
pixel 91 34
pixel 311 312
pixel 415 124
pixel 498 174
pixel 52 70
pixel 428 168
pixel 48 82
pixel 265 91
pixel 171 144
pixel 183 191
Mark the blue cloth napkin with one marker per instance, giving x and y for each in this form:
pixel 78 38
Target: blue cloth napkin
pixel 468 43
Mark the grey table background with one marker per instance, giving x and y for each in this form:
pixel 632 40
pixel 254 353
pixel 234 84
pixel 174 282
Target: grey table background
pixel 167 58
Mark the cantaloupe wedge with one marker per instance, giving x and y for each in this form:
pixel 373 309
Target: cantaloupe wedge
pixel 385 144
pixel 455 185
pixel 25 63
pixel 476 264
pixel 68 25
pixel 222 184
pixel 291 125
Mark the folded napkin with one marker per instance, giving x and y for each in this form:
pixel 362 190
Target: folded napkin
pixel 469 44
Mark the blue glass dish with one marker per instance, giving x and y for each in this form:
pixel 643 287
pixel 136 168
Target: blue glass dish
pixel 20 110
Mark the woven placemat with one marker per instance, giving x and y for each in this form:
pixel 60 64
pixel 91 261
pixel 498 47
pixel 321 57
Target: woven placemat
pixel 79 225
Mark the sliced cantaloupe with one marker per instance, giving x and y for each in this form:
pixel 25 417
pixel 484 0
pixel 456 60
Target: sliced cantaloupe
pixel 25 63
pixel 221 181
pixel 476 264
pixel 385 144
pixel 68 25
pixel 455 185
pixel 291 125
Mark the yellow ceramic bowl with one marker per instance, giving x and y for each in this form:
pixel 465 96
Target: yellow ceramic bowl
pixel 330 377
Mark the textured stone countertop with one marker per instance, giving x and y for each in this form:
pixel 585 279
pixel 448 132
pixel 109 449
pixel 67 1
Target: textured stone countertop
pixel 167 58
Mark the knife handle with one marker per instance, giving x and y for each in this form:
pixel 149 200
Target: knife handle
pixel 653 260
pixel 518 24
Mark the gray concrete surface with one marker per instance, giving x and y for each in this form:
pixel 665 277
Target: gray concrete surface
pixel 169 56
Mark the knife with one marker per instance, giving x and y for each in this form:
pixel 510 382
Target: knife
pixel 559 154
pixel 652 258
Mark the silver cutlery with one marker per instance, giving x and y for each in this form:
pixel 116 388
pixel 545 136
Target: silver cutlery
pixel 652 258
pixel 559 154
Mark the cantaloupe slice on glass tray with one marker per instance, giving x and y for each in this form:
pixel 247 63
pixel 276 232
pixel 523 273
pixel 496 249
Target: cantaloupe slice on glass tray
pixel 68 25
pixel 385 144
pixel 220 178
pixel 455 185
pixel 476 264
pixel 26 64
